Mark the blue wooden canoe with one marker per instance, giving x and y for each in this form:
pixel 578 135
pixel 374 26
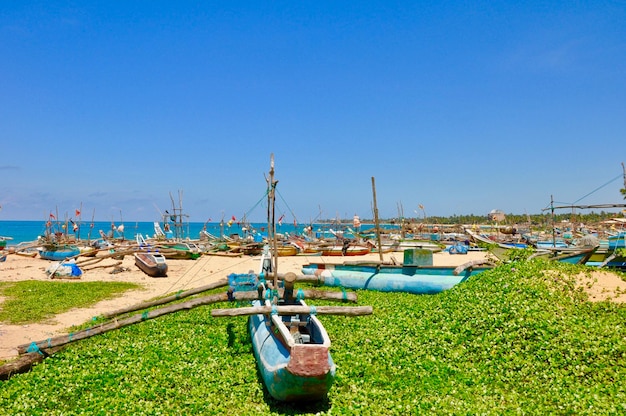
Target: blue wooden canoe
pixel 391 278
pixel 59 253
pixel 292 354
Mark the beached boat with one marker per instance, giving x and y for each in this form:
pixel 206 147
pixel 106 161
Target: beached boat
pixel 286 250
pixel 611 253
pixel 292 353
pixel 416 279
pixel 58 252
pixel 180 251
pixel 571 255
pixel 152 264
pixel 345 250
pixel 291 346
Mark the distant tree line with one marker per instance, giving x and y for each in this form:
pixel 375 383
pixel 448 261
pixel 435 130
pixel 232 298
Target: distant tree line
pixel 539 220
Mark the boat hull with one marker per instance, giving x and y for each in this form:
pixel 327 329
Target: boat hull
pixel 300 372
pixel 180 251
pixel 349 251
pixel 151 264
pixel 386 278
pixel 59 254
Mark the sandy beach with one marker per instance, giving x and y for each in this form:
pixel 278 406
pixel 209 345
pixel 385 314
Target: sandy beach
pixel 189 274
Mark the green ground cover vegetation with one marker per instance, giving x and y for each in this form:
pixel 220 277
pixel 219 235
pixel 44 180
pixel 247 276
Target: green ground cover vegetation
pixel 513 340
pixel 30 301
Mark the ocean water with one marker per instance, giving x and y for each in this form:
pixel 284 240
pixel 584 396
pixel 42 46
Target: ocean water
pixel 26 231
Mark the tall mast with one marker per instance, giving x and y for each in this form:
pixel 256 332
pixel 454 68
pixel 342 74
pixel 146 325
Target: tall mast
pixel 380 251
pixel 271 215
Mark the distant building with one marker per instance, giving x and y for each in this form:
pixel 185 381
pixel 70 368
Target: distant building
pixel 496 215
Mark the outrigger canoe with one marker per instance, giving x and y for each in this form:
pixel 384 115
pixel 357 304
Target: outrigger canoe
pixel 292 354
pixel 391 278
pixel 59 253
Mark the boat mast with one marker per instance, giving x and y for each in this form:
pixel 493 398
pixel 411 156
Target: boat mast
pixel 271 223
pixel 380 251
pixel 553 224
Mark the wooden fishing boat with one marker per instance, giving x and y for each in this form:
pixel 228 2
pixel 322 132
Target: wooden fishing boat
pixel 251 249
pixel 291 346
pixel 286 250
pixel 392 278
pixel 152 264
pixel 180 251
pixel 340 250
pixel 571 255
pixel 58 252
pixel 292 353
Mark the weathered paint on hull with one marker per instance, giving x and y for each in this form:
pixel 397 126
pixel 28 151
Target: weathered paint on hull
pixel 284 380
pixel 410 279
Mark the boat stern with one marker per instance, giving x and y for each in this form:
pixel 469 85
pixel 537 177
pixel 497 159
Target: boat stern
pixel 309 360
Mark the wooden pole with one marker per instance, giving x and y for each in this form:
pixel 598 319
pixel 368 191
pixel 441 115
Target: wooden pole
pixel 202 301
pixel 380 248
pixel 273 219
pixel 553 219
pixel 295 310
pixel 168 299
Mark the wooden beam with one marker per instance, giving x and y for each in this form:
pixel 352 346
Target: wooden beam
pixel 295 310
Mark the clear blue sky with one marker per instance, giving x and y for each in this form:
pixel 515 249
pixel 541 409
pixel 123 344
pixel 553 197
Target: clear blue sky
pixel 462 107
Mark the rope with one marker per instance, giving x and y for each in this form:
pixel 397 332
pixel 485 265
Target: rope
pixel 34 348
pixel 597 189
pixel 287 205
pixel 246 214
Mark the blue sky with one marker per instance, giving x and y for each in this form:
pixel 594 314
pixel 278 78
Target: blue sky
pixel 462 107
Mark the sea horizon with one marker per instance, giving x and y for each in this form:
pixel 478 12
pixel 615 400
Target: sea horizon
pixel 22 231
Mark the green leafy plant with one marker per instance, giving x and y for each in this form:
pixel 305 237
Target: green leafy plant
pixel 32 301
pixel 520 338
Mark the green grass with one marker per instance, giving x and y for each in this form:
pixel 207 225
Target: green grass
pixel 33 301
pixel 513 340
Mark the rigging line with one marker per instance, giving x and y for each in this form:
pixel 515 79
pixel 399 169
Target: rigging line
pixel 257 204
pixel 288 207
pixel 579 199
pixel 597 189
pixel 186 272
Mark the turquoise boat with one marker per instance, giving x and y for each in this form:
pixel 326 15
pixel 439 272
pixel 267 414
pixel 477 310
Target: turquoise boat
pixel 617 241
pixel 292 354
pixel 415 275
pixel 59 253
pixel 419 280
